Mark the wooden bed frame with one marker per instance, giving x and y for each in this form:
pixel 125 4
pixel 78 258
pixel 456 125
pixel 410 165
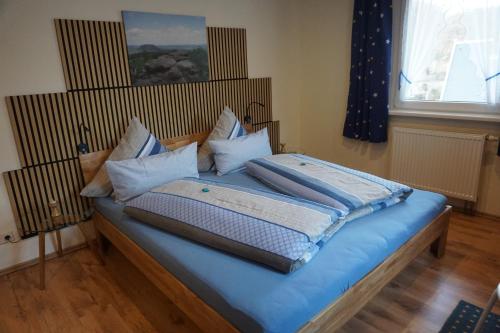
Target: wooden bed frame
pixel 204 316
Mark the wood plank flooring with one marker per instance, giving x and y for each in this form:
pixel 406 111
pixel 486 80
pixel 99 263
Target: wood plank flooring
pixel 424 294
pixel 81 296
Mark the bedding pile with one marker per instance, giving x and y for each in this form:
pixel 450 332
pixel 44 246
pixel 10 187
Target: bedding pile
pixel 276 230
pixel 353 192
pixel 281 230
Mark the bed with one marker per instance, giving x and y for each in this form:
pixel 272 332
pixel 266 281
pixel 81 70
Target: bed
pixel 223 293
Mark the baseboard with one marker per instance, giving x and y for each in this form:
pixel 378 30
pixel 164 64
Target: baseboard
pixel 459 206
pixel 488 216
pixel 461 210
pixel 33 262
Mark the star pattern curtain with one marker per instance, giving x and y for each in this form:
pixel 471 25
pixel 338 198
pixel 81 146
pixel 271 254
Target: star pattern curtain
pixel 368 100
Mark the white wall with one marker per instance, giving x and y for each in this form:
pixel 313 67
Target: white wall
pixel 30 64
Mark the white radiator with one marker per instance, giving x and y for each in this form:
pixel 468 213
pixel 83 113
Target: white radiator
pixel 445 162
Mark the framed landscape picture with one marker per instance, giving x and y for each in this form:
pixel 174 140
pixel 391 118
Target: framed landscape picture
pixel 164 48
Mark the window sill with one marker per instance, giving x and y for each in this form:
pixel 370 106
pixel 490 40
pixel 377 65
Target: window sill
pixel 491 118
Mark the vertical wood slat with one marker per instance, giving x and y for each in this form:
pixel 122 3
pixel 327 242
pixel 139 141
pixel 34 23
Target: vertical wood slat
pixel 30 190
pixel 46 126
pixel 94 54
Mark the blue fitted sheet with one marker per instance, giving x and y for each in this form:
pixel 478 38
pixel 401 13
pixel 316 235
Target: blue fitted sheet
pixel 257 299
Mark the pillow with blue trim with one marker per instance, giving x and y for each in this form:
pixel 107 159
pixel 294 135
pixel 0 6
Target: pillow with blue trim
pixel 136 142
pixel 136 176
pixel 231 155
pixel 227 127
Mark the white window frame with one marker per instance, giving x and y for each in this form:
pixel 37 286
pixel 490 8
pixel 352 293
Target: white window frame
pixel 444 110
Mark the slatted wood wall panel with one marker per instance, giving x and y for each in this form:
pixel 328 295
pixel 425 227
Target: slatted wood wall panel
pixel 30 190
pixel 227 54
pixel 46 127
pixel 273 128
pixel 94 54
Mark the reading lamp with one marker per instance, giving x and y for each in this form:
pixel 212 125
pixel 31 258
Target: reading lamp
pixel 248 118
pixel 82 147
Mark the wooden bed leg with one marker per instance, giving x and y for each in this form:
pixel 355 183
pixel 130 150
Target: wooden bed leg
pixel 59 243
pixel 438 247
pixel 101 246
pixel 41 258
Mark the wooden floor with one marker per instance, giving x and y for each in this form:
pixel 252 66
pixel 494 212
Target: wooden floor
pixel 82 297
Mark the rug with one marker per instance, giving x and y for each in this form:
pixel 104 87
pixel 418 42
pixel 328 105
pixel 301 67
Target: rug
pixel 464 318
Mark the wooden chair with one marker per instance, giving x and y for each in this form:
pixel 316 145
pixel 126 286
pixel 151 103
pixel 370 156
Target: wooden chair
pixel 495 296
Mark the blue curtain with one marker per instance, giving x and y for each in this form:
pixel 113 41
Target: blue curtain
pixel 368 101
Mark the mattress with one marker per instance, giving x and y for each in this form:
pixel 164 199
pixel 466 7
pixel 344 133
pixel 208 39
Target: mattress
pixel 256 299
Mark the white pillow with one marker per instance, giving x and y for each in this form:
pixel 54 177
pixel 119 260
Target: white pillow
pixel 227 127
pixel 134 177
pixel 231 155
pixel 136 142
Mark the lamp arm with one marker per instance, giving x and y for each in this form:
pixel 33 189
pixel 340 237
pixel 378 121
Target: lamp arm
pixel 248 118
pixel 82 146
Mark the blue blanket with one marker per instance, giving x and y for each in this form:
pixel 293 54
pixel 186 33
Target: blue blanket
pixel 273 229
pixel 353 192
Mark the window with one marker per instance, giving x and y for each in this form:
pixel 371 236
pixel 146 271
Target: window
pixel 449 56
